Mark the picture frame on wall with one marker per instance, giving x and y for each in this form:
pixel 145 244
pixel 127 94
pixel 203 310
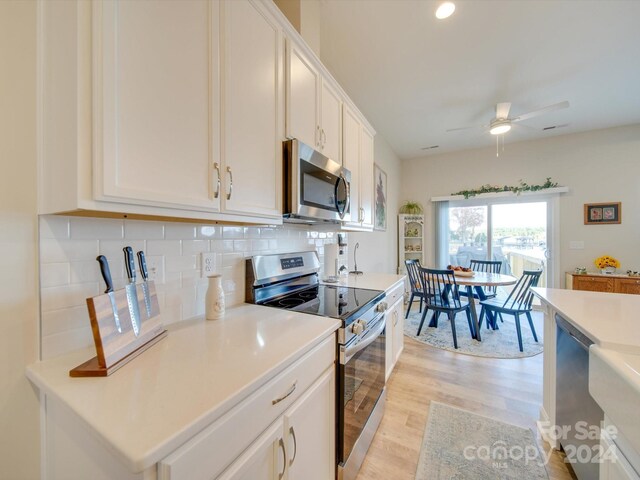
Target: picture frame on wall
pixel 602 213
pixel 379 198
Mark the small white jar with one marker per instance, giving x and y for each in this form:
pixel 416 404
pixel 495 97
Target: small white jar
pixel 214 300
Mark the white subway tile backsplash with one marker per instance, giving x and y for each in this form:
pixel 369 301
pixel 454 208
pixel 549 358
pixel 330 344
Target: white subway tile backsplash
pixel 139 230
pixel 179 231
pixel 54 251
pixel 194 247
pixel 72 295
pixel 54 274
pixel 54 226
pixel 164 247
pixel 92 228
pixel 209 231
pixel 70 273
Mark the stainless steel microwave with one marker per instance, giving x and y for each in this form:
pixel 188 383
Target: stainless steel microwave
pixel 316 188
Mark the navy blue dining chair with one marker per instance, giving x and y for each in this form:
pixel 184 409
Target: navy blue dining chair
pixel 441 296
pixel 413 271
pixel 518 302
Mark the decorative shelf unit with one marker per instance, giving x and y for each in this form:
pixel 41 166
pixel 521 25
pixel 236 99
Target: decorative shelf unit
pixel 411 235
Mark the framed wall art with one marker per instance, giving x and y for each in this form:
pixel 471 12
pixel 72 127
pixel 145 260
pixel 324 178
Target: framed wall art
pixel 602 213
pixel 380 198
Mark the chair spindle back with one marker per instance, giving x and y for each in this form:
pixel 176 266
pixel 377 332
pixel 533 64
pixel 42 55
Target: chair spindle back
pixel 413 270
pixel 440 288
pixel 487 266
pixel 521 296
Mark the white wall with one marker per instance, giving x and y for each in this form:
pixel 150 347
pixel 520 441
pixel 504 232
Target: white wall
pixel 19 413
pixel 378 250
pixel 597 166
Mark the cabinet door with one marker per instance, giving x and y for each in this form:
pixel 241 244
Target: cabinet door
pixel 627 285
pixel 310 433
pixel 592 284
pixel 388 344
pixel 367 187
pixel 351 159
pixel 303 96
pixel 156 102
pixel 252 112
pixel 264 460
pixel 331 122
pixel 398 330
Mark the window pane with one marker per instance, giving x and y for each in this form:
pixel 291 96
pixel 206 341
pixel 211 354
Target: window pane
pixel 467 235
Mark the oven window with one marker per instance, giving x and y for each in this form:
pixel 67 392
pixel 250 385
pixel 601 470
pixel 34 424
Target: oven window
pixel 363 383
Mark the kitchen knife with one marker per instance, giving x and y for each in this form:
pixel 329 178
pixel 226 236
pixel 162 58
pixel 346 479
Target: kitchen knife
pixel 106 274
pixel 130 288
pixel 145 286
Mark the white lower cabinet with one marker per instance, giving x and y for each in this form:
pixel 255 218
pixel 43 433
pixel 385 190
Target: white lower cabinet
pixel 614 465
pixel 394 327
pixel 298 445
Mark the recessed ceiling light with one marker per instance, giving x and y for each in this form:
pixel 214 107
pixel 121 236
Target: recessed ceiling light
pixel 445 10
pixel 429 148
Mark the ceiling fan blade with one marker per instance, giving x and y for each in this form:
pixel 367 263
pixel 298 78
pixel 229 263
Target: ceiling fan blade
pixel 502 109
pixel 541 111
pixel 465 128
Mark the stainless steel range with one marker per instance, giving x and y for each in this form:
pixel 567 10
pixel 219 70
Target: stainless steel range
pixel 290 281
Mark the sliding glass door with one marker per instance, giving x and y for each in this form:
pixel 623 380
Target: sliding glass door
pixel 516 233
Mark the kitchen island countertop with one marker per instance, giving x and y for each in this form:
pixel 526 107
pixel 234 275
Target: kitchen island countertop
pixel 152 405
pixel 369 281
pixel 609 319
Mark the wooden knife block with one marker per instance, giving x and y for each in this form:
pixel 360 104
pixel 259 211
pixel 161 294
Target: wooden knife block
pixel 114 349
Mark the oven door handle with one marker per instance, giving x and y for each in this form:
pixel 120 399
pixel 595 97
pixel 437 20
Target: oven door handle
pixel 349 352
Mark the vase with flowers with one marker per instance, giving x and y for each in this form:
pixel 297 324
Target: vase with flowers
pixel 607 264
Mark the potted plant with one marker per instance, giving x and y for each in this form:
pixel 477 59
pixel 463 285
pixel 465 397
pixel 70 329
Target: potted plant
pixel 607 264
pixel 411 208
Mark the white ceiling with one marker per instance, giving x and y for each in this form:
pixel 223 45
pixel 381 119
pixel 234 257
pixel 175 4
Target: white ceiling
pixel 414 76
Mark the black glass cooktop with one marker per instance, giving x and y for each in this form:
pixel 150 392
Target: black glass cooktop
pixel 328 301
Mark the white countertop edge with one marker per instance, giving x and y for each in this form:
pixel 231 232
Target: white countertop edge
pixel 171 443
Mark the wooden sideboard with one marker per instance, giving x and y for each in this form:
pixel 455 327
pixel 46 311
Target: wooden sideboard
pixel 597 282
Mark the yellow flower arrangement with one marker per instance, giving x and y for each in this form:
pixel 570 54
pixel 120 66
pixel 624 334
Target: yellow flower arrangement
pixel 606 261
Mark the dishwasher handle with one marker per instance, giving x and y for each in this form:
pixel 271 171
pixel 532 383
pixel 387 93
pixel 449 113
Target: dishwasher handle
pixel 575 334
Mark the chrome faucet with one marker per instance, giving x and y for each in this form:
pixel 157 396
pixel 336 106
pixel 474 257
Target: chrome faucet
pixel 355 270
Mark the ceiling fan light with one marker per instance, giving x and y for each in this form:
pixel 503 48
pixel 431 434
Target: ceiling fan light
pixel 500 127
pixel 445 10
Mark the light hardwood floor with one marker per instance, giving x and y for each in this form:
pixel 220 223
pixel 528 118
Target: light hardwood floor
pixel 506 389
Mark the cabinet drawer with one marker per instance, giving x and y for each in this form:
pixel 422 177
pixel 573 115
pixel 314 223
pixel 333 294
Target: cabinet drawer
pixel 394 293
pixel 214 448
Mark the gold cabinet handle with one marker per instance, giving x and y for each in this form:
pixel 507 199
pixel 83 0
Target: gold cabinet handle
pixel 292 432
pixel 216 166
pixel 230 183
pixel 284 456
pixel 289 392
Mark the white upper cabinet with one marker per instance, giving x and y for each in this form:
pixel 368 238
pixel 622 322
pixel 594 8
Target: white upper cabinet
pixel 368 187
pixel 253 102
pixel 358 158
pixel 331 122
pixel 156 103
pixel 351 159
pixel 303 97
pixel 314 104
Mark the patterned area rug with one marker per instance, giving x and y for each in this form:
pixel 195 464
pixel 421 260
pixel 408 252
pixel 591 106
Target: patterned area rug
pixel 459 445
pixel 501 343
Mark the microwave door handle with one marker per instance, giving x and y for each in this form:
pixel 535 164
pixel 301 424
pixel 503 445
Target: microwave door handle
pixel 337 201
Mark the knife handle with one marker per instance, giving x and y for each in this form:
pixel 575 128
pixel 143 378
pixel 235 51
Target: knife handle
pixel 106 272
pixel 130 264
pixel 143 265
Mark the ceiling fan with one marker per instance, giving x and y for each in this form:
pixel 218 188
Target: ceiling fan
pixel 502 122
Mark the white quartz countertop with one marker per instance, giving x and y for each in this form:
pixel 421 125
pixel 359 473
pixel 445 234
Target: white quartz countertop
pixel 370 281
pixel 189 379
pixel 609 319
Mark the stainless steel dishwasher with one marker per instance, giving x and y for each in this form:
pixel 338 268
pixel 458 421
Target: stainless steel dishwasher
pixel 576 410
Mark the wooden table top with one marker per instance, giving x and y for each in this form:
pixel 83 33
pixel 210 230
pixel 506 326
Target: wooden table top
pixel 482 279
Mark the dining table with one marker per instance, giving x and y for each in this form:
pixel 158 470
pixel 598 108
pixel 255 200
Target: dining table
pixel 477 281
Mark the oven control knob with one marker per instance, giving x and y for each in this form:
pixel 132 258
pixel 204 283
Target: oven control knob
pixel 381 307
pixel 357 328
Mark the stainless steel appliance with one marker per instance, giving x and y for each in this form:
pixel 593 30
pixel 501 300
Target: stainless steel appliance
pixel 290 281
pixel 316 188
pixel 576 410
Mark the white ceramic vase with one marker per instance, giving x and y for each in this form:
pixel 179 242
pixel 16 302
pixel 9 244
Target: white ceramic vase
pixel 608 270
pixel 214 301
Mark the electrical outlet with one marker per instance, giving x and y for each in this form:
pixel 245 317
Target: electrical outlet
pixel 576 245
pixel 208 262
